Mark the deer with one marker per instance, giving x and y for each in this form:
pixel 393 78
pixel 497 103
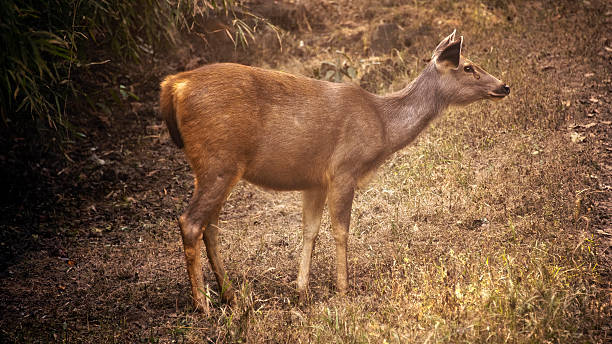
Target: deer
pixel 292 133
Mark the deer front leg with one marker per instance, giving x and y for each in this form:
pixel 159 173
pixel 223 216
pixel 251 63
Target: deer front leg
pixel 340 202
pixel 313 202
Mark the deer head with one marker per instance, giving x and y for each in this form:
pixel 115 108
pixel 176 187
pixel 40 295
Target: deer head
pixel 462 81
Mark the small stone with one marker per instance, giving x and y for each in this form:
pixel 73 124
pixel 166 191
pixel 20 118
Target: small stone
pixel 577 138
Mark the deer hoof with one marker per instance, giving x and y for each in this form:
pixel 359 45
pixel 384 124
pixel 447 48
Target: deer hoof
pixel 305 297
pixel 228 297
pixel 202 306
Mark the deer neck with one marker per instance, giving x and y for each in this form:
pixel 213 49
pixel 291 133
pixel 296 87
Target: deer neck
pixel 407 112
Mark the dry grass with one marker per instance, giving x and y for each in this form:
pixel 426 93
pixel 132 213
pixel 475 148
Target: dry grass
pixel 474 234
pixel 482 231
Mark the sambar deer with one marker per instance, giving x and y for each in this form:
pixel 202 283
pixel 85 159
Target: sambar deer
pixel 288 132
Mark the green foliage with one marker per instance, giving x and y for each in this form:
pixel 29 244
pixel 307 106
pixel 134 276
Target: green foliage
pixel 47 42
pixel 336 71
pixel 35 68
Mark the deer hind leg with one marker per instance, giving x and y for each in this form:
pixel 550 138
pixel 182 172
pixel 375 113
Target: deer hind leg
pixel 216 262
pixel 340 202
pixel 210 192
pixel 313 202
pixel 191 230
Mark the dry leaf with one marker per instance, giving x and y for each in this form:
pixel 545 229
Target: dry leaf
pixel 577 138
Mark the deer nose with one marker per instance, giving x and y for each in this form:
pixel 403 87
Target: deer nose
pixel 506 89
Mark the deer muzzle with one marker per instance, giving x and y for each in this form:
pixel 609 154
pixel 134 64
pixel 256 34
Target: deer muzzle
pixel 501 92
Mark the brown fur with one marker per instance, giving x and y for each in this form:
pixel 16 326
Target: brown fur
pixel 289 132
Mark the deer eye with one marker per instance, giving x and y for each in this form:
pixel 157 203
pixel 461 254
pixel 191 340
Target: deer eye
pixel 468 69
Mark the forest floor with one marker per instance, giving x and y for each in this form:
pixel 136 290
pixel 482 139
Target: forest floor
pixel 493 227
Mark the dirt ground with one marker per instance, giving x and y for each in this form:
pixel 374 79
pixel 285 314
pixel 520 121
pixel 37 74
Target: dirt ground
pixel 90 249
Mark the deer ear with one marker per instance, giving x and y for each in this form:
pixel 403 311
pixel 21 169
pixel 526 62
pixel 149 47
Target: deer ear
pixel 444 43
pixel 449 57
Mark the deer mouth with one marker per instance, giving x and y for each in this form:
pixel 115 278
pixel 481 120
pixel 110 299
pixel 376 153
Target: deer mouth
pixel 500 92
pixel 496 96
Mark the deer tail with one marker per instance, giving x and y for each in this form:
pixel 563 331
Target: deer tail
pixel 166 105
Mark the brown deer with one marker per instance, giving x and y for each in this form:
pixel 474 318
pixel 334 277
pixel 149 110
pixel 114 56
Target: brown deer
pixel 288 132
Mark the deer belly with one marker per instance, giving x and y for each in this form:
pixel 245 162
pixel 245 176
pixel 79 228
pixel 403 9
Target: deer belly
pixel 285 171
